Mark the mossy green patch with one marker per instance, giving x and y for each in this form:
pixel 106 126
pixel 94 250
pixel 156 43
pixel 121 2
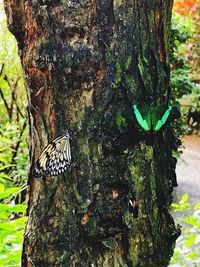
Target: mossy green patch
pixel 118 76
pixel 120 121
pixel 130 81
pixel 128 63
pixel 109 243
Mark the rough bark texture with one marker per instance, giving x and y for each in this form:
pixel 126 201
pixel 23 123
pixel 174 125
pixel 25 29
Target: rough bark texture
pixel 85 63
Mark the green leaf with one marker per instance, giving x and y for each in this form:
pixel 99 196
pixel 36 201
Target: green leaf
pixel 2 187
pixel 6 167
pixel 8 192
pixel 191 220
pixel 175 205
pixel 10 209
pixel 193 255
pixel 5 176
pixel 191 241
pixel 184 198
pixel 197 206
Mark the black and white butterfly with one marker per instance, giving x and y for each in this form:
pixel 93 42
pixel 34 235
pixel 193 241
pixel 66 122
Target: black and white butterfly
pixel 55 158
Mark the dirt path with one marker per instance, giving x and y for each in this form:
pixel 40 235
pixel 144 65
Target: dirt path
pixel 188 169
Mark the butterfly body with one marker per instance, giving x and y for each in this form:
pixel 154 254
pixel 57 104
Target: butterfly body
pixel 55 158
pixel 152 119
pixel 133 206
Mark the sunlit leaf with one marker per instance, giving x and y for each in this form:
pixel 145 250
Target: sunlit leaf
pixel 184 198
pixel 4 176
pixel 8 192
pixel 2 188
pixel 191 220
pixel 10 209
pixel 190 241
pixel 197 206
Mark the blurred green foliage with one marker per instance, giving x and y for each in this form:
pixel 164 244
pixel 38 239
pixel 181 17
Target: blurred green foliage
pixel 183 86
pixel 13 149
pixel 187 251
pixel 12 224
pixel 182 31
pixel 187 90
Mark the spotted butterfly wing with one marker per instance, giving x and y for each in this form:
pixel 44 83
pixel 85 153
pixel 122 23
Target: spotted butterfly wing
pixel 55 158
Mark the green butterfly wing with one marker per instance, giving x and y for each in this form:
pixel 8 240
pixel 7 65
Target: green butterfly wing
pixel 161 116
pixel 143 116
pixel 154 118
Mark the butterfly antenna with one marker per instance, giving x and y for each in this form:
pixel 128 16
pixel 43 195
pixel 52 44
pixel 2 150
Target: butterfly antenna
pixel 67 133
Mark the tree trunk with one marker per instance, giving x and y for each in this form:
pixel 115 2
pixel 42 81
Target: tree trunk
pixel 85 64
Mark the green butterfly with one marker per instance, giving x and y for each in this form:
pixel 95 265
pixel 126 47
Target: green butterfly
pixel 154 118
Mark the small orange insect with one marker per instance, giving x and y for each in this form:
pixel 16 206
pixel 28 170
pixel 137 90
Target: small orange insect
pixel 85 219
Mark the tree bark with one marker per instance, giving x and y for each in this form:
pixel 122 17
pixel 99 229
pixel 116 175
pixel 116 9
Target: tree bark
pixel 85 63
